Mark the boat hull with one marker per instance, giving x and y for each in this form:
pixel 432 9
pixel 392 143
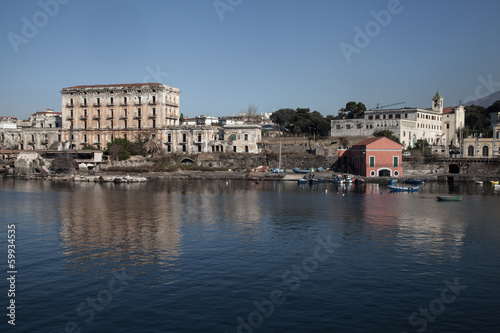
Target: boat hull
pixel 448 198
pixel 402 188
pixel 297 170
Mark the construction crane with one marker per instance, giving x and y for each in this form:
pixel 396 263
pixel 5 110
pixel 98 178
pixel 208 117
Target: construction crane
pixel 384 106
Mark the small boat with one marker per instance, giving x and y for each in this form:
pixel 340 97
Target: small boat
pixel 494 182
pixel 395 188
pixel 348 179
pixel 302 181
pixel 338 180
pixel 313 181
pixel 478 182
pixel 413 181
pixel 359 181
pixel 496 187
pixel 297 170
pixel 449 198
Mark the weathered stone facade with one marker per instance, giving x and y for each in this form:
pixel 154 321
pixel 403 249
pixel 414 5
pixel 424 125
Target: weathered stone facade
pixel 439 126
pixel 95 115
pixel 42 131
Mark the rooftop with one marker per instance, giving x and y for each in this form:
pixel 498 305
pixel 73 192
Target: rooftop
pixel 115 85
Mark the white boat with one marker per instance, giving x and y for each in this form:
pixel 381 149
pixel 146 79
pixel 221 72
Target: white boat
pixel 496 187
pixel 478 182
pixel 338 180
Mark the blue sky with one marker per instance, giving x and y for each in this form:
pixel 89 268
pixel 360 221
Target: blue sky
pixel 273 54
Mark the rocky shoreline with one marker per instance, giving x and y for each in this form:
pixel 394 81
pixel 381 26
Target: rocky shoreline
pixel 114 177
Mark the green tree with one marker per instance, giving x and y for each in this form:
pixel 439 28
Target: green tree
pixel 284 118
pixel 421 143
pixel 119 149
pixel 495 107
pixel 63 163
pixel 477 121
pixel 181 119
pixel 352 110
pixel 387 133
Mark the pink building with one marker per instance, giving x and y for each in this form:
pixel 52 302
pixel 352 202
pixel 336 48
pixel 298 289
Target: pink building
pixel 374 157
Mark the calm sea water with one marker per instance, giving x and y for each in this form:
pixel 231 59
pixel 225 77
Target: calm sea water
pixel 236 256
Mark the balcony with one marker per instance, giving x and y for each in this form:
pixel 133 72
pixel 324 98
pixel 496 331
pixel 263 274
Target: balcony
pixel 109 116
pixel 137 104
pixel 97 116
pixel 83 105
pixel 83 116
pixel 152 103
pixel 123 104
pixel 123 116
pixel 172 103
pixel 137 115
pixel 70 105
pixel 110 104
pixel 152 116
pixel 97 104
pixel 69 118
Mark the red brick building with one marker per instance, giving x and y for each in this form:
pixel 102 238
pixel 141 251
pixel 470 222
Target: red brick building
pixel 374 157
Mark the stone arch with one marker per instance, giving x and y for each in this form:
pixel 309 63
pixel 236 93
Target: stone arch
pixel 454 168
pixel 187 160
pixel 384 172
pixel 485 150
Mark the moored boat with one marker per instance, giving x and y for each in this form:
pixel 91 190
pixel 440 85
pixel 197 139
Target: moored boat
pixel 359 181
pixel 297 170
pixel 494 182
pixel 302 181
pixel 338 180
pixel 478 182
pixel 449 198
pixel 395 188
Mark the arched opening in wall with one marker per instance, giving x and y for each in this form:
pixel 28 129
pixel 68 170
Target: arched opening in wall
pixel 187 161
pixel 454 168
pixel 384 173
pixel 486 151
pixel 470 151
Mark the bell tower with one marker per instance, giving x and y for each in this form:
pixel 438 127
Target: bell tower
pixel 437 103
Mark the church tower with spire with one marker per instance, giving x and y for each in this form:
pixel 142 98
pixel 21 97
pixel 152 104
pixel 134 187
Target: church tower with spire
pixel 437 103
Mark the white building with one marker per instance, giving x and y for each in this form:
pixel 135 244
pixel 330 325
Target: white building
pixel 439 126
pixel 206 120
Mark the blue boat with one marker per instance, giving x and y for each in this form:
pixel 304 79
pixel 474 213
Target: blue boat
pixel 302 181
pixel 395 188
pixel 297 170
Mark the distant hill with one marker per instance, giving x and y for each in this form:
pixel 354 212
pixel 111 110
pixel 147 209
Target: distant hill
pixel 485 101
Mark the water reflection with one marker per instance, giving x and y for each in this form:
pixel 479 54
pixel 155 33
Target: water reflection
pixel 108 225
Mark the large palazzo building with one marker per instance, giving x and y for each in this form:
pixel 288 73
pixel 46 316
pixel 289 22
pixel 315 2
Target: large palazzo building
pixel 94 115
pixel 438 125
